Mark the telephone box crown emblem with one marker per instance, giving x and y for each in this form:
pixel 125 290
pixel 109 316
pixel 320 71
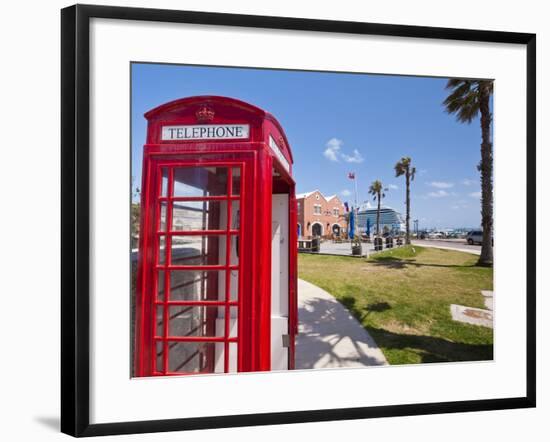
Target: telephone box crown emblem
pixel 205 114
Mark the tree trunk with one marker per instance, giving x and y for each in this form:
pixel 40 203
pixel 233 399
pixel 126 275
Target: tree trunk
pixel 378 218
pixel 408 202
pixel 486 168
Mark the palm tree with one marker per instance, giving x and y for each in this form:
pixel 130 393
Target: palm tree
pixel 403 167
pixel 377 190
pixel 466 100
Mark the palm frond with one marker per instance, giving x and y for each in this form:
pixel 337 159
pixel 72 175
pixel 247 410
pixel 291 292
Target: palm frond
pixel 453 83
pixel 463 101
pixel 399 169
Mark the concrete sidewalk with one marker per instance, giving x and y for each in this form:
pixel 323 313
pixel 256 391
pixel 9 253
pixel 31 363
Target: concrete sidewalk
pixel 329 336
pixel 476 316
pixel 443 246
pixel 343 248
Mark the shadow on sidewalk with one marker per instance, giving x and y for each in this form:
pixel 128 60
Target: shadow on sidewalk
pixel 330 336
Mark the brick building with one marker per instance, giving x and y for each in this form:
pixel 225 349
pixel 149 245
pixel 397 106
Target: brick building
pixel 320 216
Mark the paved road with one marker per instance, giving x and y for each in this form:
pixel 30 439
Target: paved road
pixel 344 249
pixel 459 245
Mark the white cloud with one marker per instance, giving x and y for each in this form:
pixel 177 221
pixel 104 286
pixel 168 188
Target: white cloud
pixel 475 194
pixel 345 192
pixel 333 147
pixel 440 184
pixel 469 182
pixel 438 194
pixel 333 152
pixel 355 158
pixel 421 172
pixel 393 187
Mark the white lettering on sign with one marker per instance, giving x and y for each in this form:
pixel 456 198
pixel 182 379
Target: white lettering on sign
pixel 277 151
pixel 206 132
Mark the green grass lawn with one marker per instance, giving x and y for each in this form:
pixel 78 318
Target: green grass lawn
pixel 402 297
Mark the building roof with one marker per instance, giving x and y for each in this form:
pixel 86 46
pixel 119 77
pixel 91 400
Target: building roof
pixel 306 194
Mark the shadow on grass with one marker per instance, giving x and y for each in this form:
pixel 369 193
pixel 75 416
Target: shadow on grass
pixel 432 349
pixel 390 262
pixel 398 263
pixel 377 307
pixel 325 323
pixel 361 313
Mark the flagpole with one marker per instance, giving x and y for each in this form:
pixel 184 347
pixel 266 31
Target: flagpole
pixel 355 183
pixel 356 210
pixel 357 213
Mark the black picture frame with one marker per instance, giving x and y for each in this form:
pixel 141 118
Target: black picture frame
pixel 75 213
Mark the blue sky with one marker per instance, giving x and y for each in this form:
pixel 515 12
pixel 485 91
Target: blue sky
pixel 338 123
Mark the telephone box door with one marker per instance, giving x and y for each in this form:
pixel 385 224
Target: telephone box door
pixel 192 280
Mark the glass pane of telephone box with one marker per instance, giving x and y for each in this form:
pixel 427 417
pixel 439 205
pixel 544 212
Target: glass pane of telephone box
pixel 198 250
pixel 204 215
pixel 197 285
pixel 164 182
pixel 159 330
pixel 160 285
pixel 236 181
pixel 233 322
pixel 233 286
pixel 161 249
pixel 200 181
pixel 162 217
pixel 192 320
pixel 194 357
pixel 159 349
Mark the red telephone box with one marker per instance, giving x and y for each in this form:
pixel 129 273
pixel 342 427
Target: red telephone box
pixel 216 280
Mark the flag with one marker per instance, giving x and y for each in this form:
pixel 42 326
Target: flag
pixel 351 175
pixel 346 206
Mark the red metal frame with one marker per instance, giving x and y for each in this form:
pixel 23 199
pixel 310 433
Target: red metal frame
pixel 255 160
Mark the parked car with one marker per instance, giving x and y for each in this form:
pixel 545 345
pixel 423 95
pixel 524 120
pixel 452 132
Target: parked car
pixel 474 237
